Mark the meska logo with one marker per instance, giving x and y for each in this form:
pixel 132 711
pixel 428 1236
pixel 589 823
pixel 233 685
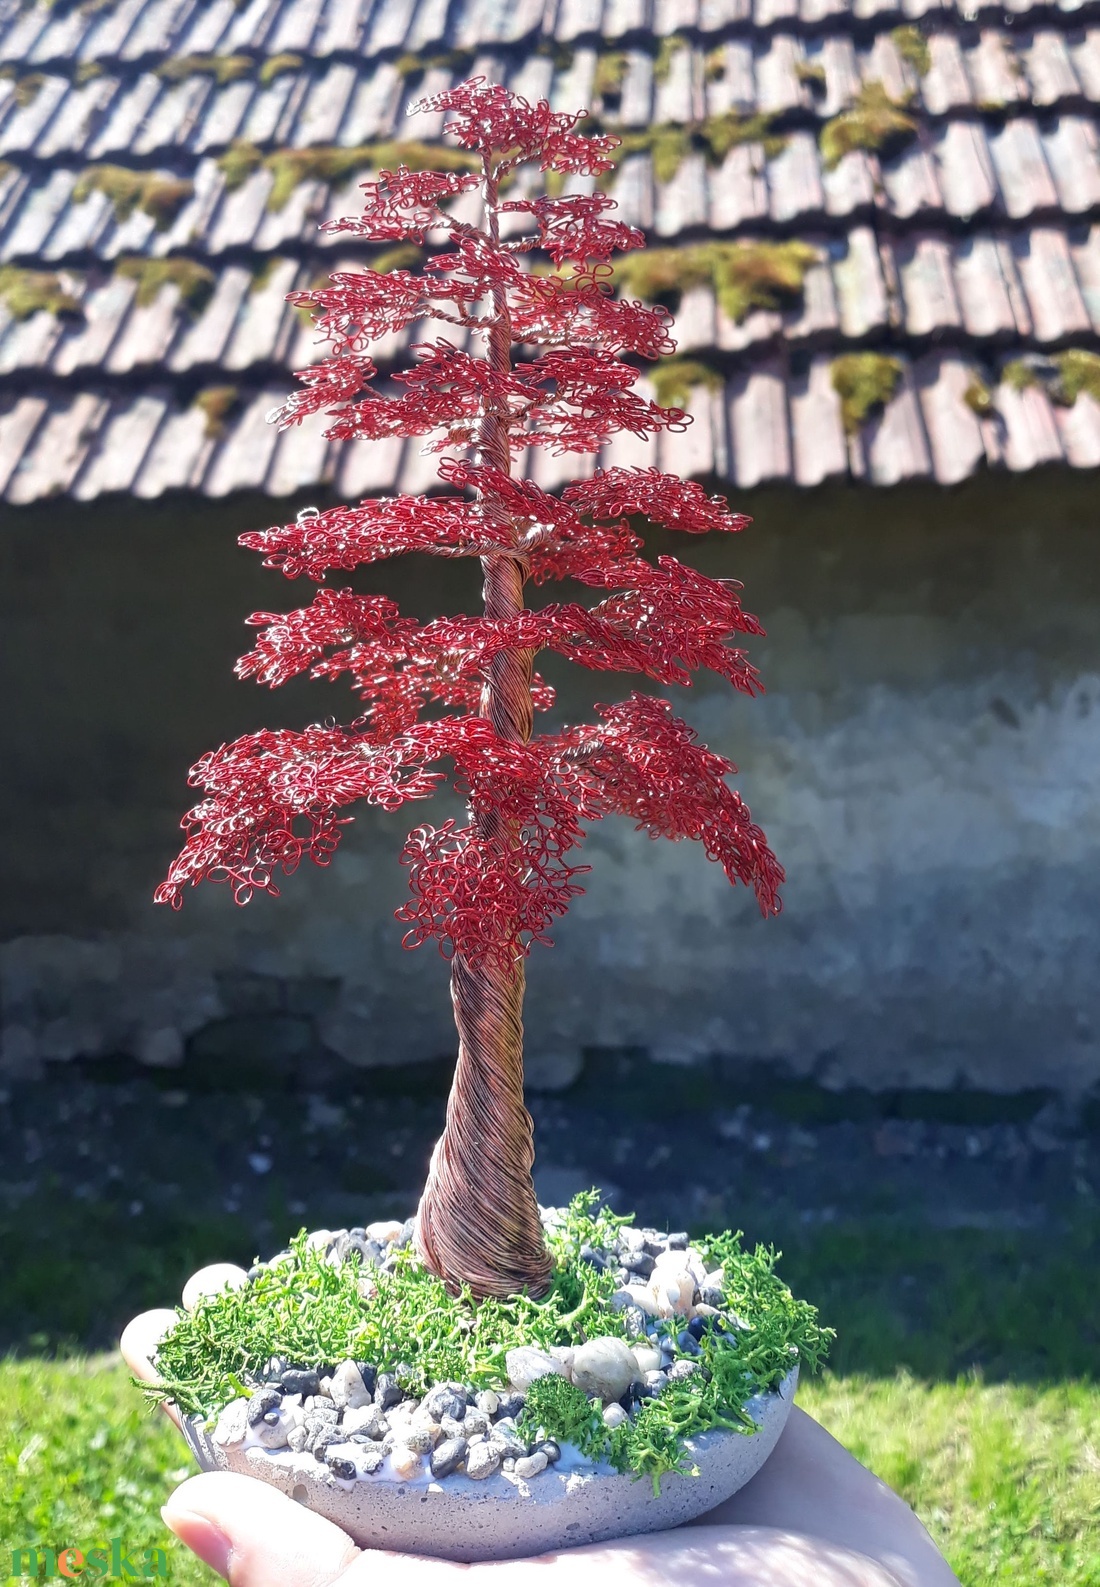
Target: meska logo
pixel 110 1564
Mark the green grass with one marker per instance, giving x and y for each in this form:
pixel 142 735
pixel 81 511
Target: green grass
pixel 1006 1477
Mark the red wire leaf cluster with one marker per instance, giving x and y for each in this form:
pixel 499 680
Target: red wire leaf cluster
pixel 541 361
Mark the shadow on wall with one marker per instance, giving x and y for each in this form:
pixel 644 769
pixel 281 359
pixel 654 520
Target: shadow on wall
pixel 925 763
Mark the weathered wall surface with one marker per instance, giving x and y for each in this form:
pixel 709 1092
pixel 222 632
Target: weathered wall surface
pixel 926 763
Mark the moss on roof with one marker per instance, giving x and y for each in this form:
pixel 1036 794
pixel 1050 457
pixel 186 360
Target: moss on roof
pixel 224 68
pixel 610 71
pixel 674 380
pixel 331 163
pixel 667 51
pixel 873 121
pixel 276 65
pixel 193 281
pixel 159 196
pixel 217 403
pixel 977 396
pixel 27 292
pixel 744 275
pixel 1078 371
pixel 912 46
pixel 864 382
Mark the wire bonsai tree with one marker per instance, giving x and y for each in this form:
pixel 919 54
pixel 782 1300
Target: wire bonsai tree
pixel 541 354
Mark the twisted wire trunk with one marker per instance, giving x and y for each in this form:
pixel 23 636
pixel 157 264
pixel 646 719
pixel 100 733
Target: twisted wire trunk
pixel 478 1220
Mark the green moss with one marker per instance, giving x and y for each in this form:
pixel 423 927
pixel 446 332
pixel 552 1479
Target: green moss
pixel 674 380
pixel 87 71
pixel 912 46
pixel 276 65
pixel 330 163
pixel 744 275
pixel 1078 371
pixel 556 1408
pixel 865 382
pixel 669 144
pixel 727 131
pixel 1019 374
pixel 224 68
pixel 28 88
pixel 27 292
pixel 238 163
pixel 217 403
pixel 977 396
pixel 873 121
pixel 714 65
pixel 667 51
pixel 812 73
pixel 610 71
pixel 161 197
pixel 194 281
pixel 312 1313
pixel 411 64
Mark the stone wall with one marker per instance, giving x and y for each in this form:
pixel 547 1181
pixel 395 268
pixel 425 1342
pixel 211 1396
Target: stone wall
pixel 926 763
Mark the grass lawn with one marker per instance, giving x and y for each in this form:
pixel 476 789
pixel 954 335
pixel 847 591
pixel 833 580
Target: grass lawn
pixel 964 1374
pixel 1006 1477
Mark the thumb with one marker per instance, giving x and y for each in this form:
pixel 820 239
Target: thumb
pixel 254 1535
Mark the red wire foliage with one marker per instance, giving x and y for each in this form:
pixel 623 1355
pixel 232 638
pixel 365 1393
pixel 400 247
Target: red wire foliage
pixel 512 358
pixel 271 798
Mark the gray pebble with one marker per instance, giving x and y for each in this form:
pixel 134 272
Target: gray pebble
pixel 678 1242
pixel 298 1439
pixel 710 1296
pixel 448 1456
pixel 482 1460
pixel 681 1369
pixel 510 1405
pixel 263 1401
pixel 370 1458
pixel 506 1439
pixel 641 1263
pixel 451 1427
pixel 445 1400
pixel 657 1381
pixel 551 1449
pixel 387 1391
pixel 367 1419
pixel 475 1421
pixel 319 1441
pixel 301 1380
pixel 341 1466
pixel 488 1402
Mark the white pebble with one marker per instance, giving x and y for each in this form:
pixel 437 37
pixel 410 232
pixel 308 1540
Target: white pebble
pixel 530 1465
pixel 319 1240
pixel 647 1358
pixel 211 1281
pixel 232 1423
pixel 385 1231
pixel 613 1415
pixel 604 1366
pixel 348 1388
pixel 526 1363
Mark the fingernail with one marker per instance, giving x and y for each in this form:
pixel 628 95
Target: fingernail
pixel 201 1536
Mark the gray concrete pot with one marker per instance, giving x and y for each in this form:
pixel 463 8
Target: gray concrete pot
pixel 505 1517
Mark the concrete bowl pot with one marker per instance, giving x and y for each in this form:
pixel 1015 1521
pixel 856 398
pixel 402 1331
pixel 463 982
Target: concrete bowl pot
pixel 504 1517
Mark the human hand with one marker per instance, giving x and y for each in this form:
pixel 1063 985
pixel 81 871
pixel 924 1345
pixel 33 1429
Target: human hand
pixel 811 1517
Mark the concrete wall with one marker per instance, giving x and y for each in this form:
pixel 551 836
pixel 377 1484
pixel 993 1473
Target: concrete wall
pixel 926 763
